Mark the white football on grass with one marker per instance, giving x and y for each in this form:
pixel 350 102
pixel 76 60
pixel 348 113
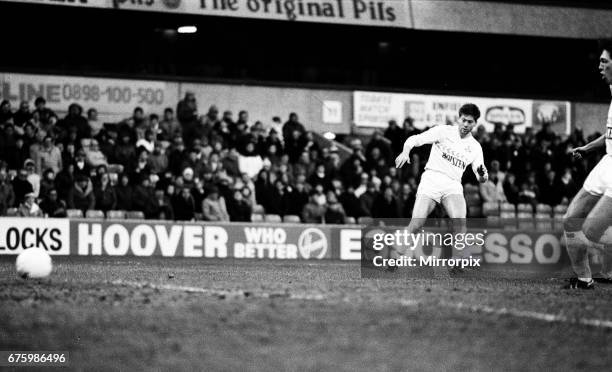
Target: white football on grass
pixel 33 263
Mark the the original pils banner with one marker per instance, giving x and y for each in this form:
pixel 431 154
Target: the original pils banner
pixel 388 13
pixel 376 109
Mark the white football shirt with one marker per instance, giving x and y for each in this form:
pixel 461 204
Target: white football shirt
pixel 450 154
pixel 609 130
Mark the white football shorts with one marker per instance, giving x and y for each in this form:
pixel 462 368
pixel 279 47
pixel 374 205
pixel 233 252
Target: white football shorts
pixel 437 185
pixel 599 181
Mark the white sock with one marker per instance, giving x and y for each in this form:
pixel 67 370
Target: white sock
pixel 577 245
pixel 606 261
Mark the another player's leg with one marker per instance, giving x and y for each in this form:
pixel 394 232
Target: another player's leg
pixel 456 209
pixel 423 206
pixel 594 229
pixel 576 241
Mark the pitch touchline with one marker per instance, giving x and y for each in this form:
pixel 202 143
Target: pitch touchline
pixel 546 317
pixel 223 293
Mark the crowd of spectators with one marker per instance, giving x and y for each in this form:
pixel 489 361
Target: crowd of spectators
pixel 217 167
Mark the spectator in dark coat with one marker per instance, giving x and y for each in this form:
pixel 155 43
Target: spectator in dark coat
pixel 183 205
pixel 334 212
pixel 238 208
pixel 291 126
pixel 350 202
pixel 45 114
pixel 367 199
pixel 143 198
pixel 52 206
pixel 64 181
pixel 106 198
pixel 123 193
pixel 81 195
pixel 511 189
pixel 163 206
pixel 297 197
pixel 6 114
pixel 74 121
pixel 21 186
pixel 7 195
pixel 385 205
pixel 23 115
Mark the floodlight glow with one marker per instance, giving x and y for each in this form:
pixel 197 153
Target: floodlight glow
pixel 187 30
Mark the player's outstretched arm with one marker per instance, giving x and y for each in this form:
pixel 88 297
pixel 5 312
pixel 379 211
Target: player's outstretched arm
pixel 478 167
pixel 430 136
pixel 482 174
pixel 581 151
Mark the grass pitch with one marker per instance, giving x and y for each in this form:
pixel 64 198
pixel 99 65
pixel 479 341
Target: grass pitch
pixel 187 314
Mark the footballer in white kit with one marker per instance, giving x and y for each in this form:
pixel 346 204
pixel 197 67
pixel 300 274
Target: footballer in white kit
pixel 453 150
pixel 589 214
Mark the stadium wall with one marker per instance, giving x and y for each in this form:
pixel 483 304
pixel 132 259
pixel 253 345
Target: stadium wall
pixel 322 110
pixel 80 237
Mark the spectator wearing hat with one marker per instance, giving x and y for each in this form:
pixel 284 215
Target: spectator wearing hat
pixel 49 156
pixel 214 207
pixel 52 206
pixel 7 195
pixel 29 208
pixel 81 195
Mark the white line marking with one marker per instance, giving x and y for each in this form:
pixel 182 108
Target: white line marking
pixel 546 317
pixel 535 315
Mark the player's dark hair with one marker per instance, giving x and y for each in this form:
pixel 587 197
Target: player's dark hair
pixel 470 109
pixel 606 44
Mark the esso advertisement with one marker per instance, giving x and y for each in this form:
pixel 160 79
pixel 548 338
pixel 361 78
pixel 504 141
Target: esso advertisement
pixel 51 234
